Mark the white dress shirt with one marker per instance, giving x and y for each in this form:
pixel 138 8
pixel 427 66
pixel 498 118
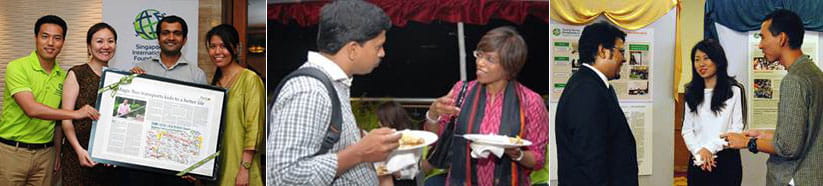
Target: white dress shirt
pixel 703 129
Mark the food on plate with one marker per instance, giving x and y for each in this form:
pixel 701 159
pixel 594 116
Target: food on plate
pixel 408 140
pixel 381 170
pixel 516 140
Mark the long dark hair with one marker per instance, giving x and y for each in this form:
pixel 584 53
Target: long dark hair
pixel 392 114
pixel 231 39
pixel 722 89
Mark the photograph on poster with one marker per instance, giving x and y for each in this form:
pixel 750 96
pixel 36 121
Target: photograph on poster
pixel 639 72
pixel 763 88
pixel 128 108
pixel 639 88
pixel 574 55
pixel 636 58
pixel 760 63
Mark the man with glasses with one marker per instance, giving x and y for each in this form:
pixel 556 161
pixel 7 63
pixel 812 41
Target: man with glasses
pixel 595 145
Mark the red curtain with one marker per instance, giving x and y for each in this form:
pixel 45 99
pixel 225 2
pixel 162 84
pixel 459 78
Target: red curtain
pixel 425 11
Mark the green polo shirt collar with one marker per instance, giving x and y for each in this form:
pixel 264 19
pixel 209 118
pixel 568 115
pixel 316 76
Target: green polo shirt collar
pixel 35 64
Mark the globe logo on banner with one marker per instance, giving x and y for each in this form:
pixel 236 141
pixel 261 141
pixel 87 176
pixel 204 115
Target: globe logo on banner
pixel 145 21
pixel 556 32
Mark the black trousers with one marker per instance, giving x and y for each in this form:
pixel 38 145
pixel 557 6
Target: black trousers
pixel 134 177
pixel 729 170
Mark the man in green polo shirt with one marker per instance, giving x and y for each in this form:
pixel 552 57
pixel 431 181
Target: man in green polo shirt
pixel 31 96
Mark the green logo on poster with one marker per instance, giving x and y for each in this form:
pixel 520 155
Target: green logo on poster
pixel 145 21
pixel 556 32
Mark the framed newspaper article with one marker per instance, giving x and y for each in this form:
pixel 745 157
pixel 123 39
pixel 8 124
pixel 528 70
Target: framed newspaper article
pixel 158 124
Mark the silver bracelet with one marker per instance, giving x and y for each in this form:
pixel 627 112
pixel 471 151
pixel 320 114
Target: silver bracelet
pixel 430 119
pixel 522 153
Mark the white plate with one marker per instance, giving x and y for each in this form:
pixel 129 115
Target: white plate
pixel 428 138
pixel 495 140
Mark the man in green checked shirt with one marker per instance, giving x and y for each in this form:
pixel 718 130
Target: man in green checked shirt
pixel 31 96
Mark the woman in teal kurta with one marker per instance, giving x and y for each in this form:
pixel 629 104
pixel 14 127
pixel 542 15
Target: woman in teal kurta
pixel 244 117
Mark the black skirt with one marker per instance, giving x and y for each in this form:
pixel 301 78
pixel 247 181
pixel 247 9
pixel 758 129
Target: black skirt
pixel 729 170
pixel 405 182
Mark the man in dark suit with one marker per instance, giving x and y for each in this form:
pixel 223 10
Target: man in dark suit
pixel 594 143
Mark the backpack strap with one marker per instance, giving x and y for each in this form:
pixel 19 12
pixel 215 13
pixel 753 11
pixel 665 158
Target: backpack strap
pixel 334 128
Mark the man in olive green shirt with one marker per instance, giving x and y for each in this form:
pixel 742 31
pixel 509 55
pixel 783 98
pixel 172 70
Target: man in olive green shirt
pixel 795 146
pixel 31 97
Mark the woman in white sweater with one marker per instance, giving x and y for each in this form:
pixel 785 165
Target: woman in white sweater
pixel 713 107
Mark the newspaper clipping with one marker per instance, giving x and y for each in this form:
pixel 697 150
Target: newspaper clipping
pixel 158 124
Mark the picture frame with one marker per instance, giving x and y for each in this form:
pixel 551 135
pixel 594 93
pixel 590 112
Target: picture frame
pixel 157 124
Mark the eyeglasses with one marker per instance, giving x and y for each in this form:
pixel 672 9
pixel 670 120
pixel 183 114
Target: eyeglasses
pixel 488 58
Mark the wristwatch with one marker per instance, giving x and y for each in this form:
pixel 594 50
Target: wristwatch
pixel 753 145
pixel 245 164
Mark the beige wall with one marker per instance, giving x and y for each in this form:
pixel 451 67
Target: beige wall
pixel 211 14
pixel 17 19
pixel 691 32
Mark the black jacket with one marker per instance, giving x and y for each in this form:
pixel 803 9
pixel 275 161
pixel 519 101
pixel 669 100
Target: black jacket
pixel 594 143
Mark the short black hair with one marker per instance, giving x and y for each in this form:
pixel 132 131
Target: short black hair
pixel 173 19
pixel 352 20
pixel 787 22
pixel 97 27
pixel 511 49
pixel 50 19
pixel 597 34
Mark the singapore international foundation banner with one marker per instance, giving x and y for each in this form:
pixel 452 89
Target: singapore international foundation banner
pixel 136 21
